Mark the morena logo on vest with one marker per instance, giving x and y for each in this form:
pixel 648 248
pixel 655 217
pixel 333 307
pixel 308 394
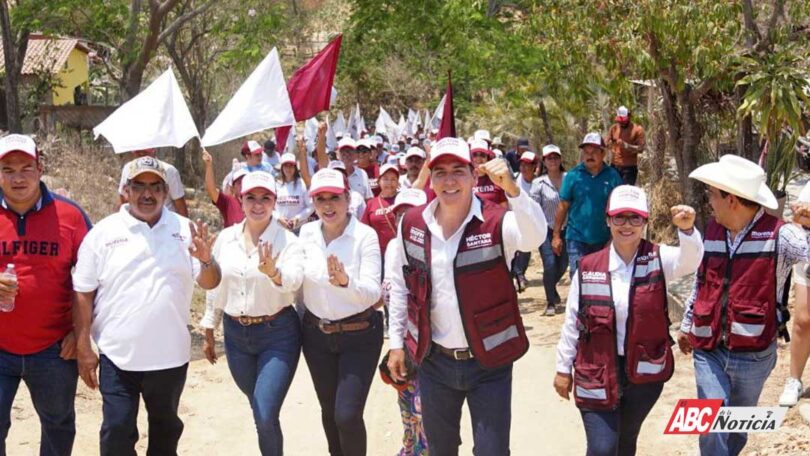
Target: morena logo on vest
pixel 417 235
pixel 761 234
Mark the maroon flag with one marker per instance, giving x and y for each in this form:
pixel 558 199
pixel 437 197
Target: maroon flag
pixel 310 87
pixel 448 125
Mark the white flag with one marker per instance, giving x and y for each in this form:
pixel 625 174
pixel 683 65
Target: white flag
pixel 413 121
pixel 339 128
pixel 426 121
pixel 351 126
pixel 385 125
pixel 291 147
pixel 311 133
pixel 156 117
pixel 331 139
pixel 436 120
pixel 261 103
pixel 359 123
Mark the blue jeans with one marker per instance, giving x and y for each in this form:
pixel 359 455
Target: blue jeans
pixel 615 432
pixel 121 395
pixel 262 359
pixel 553 268
pixel 737 378
pixel 445 383
pixel 51 381
pixel 577 250
pixel 343 366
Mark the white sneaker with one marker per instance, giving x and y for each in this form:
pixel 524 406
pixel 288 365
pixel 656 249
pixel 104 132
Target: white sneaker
pixel 792 392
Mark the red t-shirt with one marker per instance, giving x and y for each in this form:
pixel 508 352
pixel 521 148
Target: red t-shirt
pixel 43 244
pixel 373 172
pixel 379 217
pixel 230 208
pixel 487 190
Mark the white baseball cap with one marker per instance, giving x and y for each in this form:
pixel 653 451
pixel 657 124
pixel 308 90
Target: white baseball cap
pixel 259 179
pixel 528 157
pixel 252 147
pixel 409 197
pixel 622 114
pixel 551 149
pixel 287 158
pixel 389 167
pixel 628 198
pixel 415 152
pixel 395 148
pixel 479 145
pixel 378 140
pixel 594 139
pixel 238 174
pixel 18 143
pixel 450 147
pixel 366 142
pixel 482 134
pixel 347 143
pixel 327 181
pixel 414 142
pixel 337 164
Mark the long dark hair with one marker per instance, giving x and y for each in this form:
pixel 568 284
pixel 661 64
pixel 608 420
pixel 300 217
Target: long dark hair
pixel 296 175
pixel 544 170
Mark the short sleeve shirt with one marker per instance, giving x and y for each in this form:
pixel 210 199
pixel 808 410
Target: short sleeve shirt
pixel 378 216
pixel 230 209
pixel 633 135
pixel 587 196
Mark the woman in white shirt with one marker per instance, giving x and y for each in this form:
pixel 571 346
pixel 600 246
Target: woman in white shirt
pixel 343 333
pixel 261 271
pixel 293 204
pixel 524 178
pixel 616 329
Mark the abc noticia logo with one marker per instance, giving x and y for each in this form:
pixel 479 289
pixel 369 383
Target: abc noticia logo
pixel 701 416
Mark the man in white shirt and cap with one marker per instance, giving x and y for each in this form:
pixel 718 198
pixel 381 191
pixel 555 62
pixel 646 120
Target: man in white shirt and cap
pixel 739 305
pixel 453 307
pixel 176 200
pixel 134 280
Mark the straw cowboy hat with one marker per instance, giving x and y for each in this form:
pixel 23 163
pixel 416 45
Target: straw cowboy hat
pixel 738 176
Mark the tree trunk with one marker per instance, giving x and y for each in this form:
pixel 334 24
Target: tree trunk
pixel 13 56
pixel 541 107
pixel 745 133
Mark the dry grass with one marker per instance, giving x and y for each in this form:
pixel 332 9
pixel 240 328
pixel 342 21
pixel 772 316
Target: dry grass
pixel 662 195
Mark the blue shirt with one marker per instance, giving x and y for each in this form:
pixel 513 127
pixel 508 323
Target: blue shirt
pixel 588 195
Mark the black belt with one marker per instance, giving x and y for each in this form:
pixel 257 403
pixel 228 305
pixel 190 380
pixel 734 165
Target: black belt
pixel 356 322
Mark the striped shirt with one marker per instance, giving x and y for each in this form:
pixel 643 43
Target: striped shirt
pixel 547 196
pixel 792 245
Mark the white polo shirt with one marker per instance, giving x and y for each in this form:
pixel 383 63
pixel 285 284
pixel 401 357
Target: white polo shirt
pixel 246 291
pixel 358 181
pixel 143 278
pixel 173 181
pixel 359 251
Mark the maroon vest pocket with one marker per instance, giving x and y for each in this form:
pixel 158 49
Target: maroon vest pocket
pixel 748 329
pixel 649 364
pixel 497 325
pixel 592 387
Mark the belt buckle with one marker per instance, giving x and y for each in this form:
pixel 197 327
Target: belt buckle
pixel 322 325
pixel 244 320
pixel 456 355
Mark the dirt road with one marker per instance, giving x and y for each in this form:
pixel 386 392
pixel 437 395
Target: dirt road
pixel 219 422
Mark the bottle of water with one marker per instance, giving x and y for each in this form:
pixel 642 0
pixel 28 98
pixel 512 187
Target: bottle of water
pixel 7 305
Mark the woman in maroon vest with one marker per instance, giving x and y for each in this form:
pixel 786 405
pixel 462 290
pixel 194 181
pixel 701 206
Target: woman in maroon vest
pixel 616 329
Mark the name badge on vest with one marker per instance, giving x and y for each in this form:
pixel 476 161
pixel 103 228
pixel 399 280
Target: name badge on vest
pixel 478 240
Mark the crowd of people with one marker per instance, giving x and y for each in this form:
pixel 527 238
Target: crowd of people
pixel 421 240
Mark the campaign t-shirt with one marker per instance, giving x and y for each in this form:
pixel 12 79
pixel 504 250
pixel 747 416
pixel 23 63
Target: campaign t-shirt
pixel 230 208
pixel 373 172
pixel 487 190
pixel 43 245
pixel 378 216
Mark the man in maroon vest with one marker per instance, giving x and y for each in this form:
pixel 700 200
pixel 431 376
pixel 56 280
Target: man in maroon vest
pixel 738 306
pixel 452 302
